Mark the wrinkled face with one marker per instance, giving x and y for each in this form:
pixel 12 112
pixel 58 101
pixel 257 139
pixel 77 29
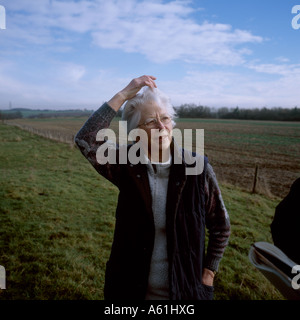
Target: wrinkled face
pixel 158 125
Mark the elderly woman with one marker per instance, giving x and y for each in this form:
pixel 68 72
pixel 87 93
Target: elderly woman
pixel 158 251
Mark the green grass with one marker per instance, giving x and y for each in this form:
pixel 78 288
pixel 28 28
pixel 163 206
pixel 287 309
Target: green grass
pixel 250 216
pixel 57 222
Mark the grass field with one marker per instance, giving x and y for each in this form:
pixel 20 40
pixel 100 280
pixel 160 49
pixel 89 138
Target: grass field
pixel 234 148
pixel 57 222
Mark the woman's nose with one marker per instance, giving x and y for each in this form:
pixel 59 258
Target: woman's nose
pixel 160 125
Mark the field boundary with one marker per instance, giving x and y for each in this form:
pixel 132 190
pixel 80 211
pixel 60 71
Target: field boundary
pixel 46 133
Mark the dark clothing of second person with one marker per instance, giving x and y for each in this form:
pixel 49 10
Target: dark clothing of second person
pixel 285 227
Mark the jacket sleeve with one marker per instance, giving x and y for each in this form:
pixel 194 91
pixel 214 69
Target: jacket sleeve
pixel 91 142
pixel 217 221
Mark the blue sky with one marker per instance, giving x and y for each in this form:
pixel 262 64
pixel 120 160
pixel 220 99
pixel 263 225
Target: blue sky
pixel 77 54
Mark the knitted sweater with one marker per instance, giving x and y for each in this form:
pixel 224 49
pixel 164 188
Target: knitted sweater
pixel 158 282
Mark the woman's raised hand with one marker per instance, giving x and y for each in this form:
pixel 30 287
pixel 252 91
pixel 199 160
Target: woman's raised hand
pixel 136 85
pixel 131 90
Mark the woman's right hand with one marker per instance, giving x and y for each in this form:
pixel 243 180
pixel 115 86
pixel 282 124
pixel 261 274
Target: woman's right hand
pixel 136 85
pixel 131 90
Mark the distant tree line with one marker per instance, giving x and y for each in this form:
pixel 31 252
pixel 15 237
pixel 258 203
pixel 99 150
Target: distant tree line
pixel 275 114
pixel 19 113
pixel 10 115
pixel 67 113
pixel 183 111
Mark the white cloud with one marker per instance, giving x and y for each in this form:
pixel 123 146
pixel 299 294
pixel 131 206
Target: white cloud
pixel 161 31
pixel 282 59
pixel 278 69
pixel 69 86
pixel 220 88
pixel 162 40
pixel 71 72
pixel 164 35
pixel 63 85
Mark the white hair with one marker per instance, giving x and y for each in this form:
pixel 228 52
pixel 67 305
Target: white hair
pixel 133 108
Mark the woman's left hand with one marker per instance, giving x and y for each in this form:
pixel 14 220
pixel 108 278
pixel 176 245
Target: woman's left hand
pixel 208 277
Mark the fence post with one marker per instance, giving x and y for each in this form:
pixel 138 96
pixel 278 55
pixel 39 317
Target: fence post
pixel 255 179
